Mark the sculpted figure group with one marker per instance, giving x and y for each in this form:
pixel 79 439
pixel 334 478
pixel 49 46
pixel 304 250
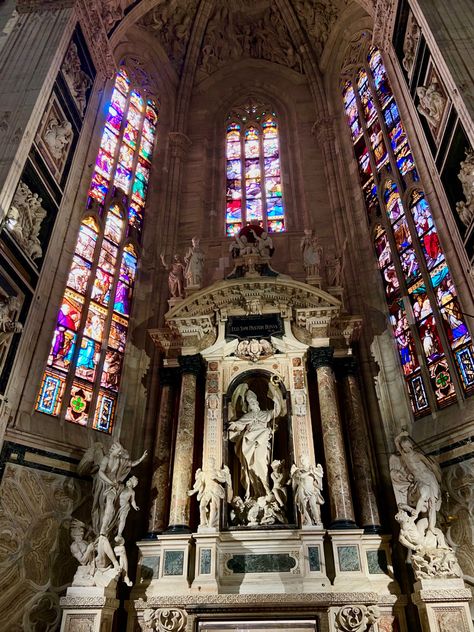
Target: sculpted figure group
pixel 99 546
pixel 185 275
pixel 416 482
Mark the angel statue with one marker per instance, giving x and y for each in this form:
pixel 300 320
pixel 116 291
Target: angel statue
pixel 111 500
pixel 210 486
pixel 252 435
pixel 416 480
pixel 307 483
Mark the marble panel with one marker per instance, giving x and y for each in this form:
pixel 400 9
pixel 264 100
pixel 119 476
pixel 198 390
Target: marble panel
pixel 205 557
pixel 348 558
pixel 150 568
pixel 377 562
pixel 313 558
pixel 174 563
pixel 262 563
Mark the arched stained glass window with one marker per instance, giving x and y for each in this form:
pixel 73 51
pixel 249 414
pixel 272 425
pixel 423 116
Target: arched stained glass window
pixel 253 173
pixel 85 362
pixel 431 335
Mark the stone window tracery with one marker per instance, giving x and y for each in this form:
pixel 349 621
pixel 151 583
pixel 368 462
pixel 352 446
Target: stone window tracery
pixel 253 170
pixel 433 342
pixel 84 366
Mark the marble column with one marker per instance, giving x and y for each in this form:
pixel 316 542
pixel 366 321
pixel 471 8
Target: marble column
pixel 184 446
pixel 368 513
pixel 337 475
pixel 160 482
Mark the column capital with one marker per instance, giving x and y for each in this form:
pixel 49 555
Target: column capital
pixel 191 364
pixel 321 356
pixel 179 144
pixel 168 375
pixel 347 366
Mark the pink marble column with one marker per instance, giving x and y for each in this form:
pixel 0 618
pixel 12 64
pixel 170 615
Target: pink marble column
pixel 368 513
pixel 337 475
pixel 184 446
pixel 169 379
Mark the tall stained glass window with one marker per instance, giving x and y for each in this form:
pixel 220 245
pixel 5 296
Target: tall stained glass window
pixel 429 329
pixel 253 173
pixel 84 366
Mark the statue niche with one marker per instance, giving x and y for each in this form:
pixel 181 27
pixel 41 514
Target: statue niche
pixel 258 451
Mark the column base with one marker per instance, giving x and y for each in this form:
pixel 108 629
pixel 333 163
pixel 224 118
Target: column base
pixel 88 608
pixel 177 529
pixel 343 524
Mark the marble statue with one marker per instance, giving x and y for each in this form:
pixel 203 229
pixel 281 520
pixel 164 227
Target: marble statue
pixel 432 102
pixel 410 44
pixel 312 253
pixel 9 309
pixel 307 483
pixel 77 80
pixel 57 137
pixel 466 176
pixel 175 276
pixel 264 244
pixel 334 271
pixel 279 478
pixel 112 498
pixel 252 435
pixel 299 402
pixel 24 218
pixel 194 260
pixel 416 480
pixel 211 486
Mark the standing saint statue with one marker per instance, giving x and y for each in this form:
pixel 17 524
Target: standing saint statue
pixel 252 435
pixel 194 260
pixel 307 483
pixel 175 276
pixel 312 253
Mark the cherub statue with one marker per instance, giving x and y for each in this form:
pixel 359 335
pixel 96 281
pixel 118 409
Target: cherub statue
pixel 126 500
pixel 176 276
pixel 307 483
pixel 280 481
pixel 264 244
pixel 210 486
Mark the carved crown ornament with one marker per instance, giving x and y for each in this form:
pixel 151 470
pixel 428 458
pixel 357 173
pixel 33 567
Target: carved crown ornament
pixel 193 324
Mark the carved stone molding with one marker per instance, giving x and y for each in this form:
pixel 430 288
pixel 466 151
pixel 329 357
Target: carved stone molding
pixel 179 144
pixel 384 22
pixel 96 36
pixel 163 620
pixel 24 218
pixel 92 601
pixel 356 618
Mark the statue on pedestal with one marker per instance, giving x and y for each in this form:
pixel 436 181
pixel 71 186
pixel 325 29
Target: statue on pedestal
pixel 416 482
pixel 307 483
pixel 251 252
pixel 432 102
pixel 465 209
pixel 112 499
pixel 194 260
pixel 211 486
pixel 312 253
pixel 175 277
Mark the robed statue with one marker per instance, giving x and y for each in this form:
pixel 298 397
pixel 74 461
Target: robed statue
pixel 252 436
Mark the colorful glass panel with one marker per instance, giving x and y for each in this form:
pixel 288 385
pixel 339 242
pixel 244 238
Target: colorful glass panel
pixel 350 105
pixel 366 98
pixel 86 317
pixel 380 77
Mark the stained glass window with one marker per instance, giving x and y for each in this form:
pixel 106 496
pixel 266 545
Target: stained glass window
pixel 426 319
pixel 253 177
pixel 85 361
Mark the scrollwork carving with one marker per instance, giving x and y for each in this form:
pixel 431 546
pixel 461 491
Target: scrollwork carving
pixel 163 620
pixel 356 618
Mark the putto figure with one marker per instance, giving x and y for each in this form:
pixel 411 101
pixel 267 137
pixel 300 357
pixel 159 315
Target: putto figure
pixel 211 486
pixel 416 482
pixel 307 483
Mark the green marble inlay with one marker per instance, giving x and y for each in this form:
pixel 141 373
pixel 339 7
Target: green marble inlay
pixel 313 556
pixel 174 563
pixel 205 562
pixel 150 568
pixel 348 558
pixel 377 562
pixel 262 563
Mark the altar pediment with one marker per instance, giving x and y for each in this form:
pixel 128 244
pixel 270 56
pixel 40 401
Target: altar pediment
pixel 312 313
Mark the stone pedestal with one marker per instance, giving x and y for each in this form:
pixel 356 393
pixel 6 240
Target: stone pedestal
pixel 88 609
pixel 342 511
pixel 205 563
pixel 443 605
pixel 164 566
pixel 315 280
pixel 162 452
pixel 184 448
